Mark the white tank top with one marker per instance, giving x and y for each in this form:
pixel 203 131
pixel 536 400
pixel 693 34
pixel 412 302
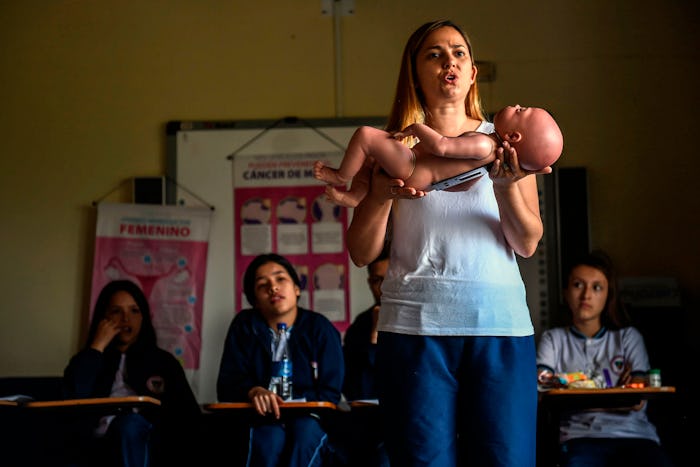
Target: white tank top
pixel 451 271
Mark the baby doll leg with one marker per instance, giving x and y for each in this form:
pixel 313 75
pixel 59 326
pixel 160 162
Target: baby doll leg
pixel 358 189
pixel 365 143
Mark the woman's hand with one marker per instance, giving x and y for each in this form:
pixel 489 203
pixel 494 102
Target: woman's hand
pixel 264 401
pixel 506 168
pixel 385 188
pixel 106 331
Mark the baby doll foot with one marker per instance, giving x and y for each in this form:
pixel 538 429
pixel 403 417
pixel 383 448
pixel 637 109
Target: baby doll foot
pixel 327 174
pixel 341 198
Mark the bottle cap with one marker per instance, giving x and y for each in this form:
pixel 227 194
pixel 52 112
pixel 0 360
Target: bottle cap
pixel 655 371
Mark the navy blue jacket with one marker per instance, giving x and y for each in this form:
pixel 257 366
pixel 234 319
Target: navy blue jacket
pixel 150 372
pixel 360 355
pixel 247 357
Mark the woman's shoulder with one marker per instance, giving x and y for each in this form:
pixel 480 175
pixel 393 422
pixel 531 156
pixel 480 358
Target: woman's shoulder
pixel 485 127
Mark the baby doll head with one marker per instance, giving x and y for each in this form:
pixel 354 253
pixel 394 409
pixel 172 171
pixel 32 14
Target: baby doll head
pixel 533 133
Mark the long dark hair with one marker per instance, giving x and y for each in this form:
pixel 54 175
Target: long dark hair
pixel 251 271
pixel 614 315
pixel 147 335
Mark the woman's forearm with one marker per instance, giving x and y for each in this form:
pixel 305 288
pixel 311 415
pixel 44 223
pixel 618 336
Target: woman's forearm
pixel 368 228
pixel 367 231
pixel 518 205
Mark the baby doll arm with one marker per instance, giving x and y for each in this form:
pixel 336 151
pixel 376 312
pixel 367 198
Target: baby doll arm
pixel 469 145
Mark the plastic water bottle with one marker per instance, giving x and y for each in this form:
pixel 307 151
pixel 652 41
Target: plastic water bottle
pixel 281 381
pixel 654 376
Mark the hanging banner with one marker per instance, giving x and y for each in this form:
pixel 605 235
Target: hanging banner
pixel 164 250
pixel 279 207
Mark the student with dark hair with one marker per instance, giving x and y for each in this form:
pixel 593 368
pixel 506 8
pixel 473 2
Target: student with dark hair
pixel 121 358
pixel 601 344
pixel 364 440
pixel 272 287
pixel 360 343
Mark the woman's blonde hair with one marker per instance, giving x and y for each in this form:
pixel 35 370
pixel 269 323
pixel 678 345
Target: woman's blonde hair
pixel 409 102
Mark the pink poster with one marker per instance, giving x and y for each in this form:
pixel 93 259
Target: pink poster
pixel 280 208
pixel 164 250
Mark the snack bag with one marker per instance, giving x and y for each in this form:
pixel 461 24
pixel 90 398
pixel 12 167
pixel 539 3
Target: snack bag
pixel 568 378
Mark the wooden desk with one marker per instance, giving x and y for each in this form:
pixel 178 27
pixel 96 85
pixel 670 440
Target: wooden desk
pixel 363 403
pixel 555 402
pixel 91 406
pixel 573 399
pixel 40 432
pixel 123 402
pixel 232 406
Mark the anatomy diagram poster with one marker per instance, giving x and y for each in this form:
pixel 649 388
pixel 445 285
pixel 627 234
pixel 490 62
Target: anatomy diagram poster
pixel 163 249
pixel 280 208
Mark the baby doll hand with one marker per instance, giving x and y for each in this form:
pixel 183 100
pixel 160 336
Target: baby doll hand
pixel 405 133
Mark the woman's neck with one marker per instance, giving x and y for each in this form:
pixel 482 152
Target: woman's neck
pixel 450 120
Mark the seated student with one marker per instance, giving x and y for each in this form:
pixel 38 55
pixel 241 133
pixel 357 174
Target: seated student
pixel 272 287
pixel 599 342
pixel 364 440
pixel 532 131
pixel 121 358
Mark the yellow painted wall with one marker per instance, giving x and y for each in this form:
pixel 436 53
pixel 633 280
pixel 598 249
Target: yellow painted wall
pixel 86 88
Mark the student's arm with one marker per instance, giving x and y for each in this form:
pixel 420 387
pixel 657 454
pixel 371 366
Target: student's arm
pixel 236 376
pixel 330 365
pixel 80 376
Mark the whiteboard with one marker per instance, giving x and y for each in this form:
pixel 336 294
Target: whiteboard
pixel 199 170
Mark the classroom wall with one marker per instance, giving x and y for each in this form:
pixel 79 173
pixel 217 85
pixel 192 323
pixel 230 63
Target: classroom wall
pixel 87 88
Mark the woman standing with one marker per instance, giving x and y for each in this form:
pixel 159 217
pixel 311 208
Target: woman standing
pixel 456 344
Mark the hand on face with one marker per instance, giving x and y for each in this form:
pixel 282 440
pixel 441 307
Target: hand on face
pixel 106 330
pixel 122 321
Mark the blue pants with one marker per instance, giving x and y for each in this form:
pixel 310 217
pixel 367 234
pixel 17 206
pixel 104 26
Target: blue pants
pixel 602 452
pixel 129 436
pixel 293 442
pixel 452 400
